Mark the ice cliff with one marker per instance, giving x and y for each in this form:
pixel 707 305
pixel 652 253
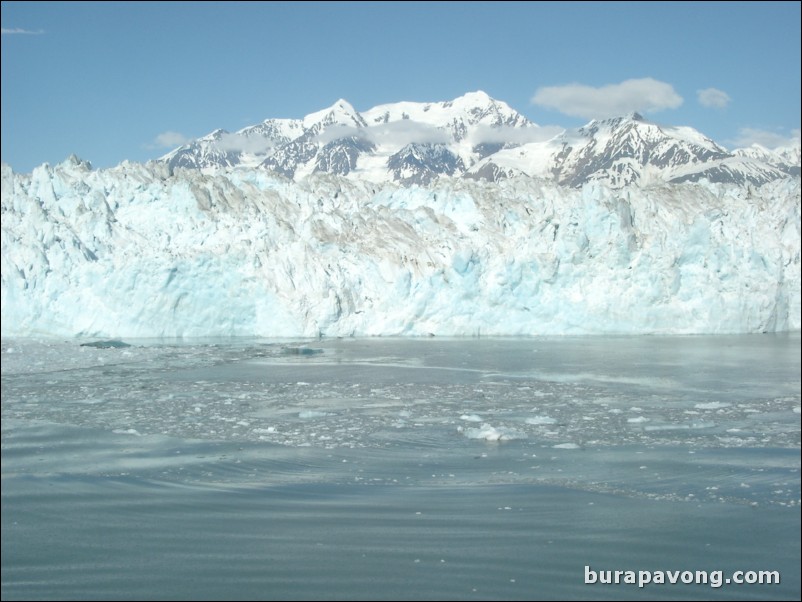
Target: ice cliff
pixel 151 251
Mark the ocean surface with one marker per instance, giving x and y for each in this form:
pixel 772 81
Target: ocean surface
pixel 400 468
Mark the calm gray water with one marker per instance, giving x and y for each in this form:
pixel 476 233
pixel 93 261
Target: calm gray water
pixel 414 469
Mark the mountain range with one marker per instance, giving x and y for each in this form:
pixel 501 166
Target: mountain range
pixel 477 137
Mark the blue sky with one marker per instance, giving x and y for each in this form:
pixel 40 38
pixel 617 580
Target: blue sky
pixel 119 81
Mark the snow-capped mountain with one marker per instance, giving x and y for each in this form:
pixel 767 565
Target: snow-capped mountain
pixel 248 147
pixel 785 159
pixel 459 117
pixel 478 137
pixel 407 142
pixel 632 150
pixel 143 250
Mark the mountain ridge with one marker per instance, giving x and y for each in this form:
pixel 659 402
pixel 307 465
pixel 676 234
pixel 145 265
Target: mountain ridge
pixel 478 137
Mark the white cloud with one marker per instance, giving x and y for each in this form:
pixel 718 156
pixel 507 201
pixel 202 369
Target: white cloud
pixel 713 98
pixel 766 138
pixel 490 135
pixel 405 132
pixel 20 31
pixel 170 139
pixel 577 100
pixel 338 131
pixel 226 143
pixel 394 133
pixel 255 145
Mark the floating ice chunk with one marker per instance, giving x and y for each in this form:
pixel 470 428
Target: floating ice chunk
pixel 566 446
pixel 471 418
pixel 637 420
pixel 680 427
pixel 712 405
pixel 111 344
pixel 667 427
pixel 797 409
pixel 301 351
pixel 486 432
pixel 540 420
pixel 127 432
pixel 311 414
pixel 490 433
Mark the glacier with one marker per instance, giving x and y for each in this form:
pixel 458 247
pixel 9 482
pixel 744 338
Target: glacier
pixel 147 250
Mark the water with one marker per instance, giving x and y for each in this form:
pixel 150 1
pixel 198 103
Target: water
pixel 422 469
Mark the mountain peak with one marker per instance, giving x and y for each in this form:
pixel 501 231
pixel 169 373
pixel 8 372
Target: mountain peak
pixel 343 105
pixel 341 113
pixel 476 98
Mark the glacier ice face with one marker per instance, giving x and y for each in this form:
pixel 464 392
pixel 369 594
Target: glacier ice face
pixel 140 251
